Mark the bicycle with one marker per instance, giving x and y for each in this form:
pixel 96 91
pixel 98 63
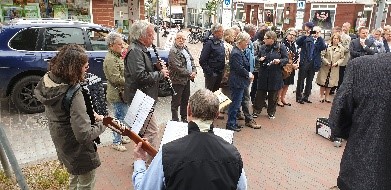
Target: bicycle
pixel 195 35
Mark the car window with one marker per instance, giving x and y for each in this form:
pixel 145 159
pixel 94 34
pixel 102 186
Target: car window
pixel 98 39
pixel 57 37
pixel 25 40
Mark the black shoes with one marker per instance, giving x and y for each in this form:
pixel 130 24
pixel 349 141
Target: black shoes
pixel 300 101
pixel 234 128
pixel 307 101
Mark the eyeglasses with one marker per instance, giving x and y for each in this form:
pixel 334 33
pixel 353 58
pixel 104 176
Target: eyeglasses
pixel 294 35
pixel 180 38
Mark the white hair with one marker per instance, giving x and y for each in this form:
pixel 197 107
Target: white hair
pixel 138 29
pixel 317 28
pixel 112 37
pixel 216 27
pixel 242 36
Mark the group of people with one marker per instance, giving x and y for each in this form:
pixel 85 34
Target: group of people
pixel 201 160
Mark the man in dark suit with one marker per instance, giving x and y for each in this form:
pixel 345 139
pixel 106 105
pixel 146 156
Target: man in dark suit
pixel 311 44
pixel 361 114
pixel 362 45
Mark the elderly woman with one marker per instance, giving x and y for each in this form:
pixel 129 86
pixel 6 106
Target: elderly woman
pixel 328 74
pixel 113 67
pixel 376 36
pixel 272 57
pixel 182 70
pixel 229 38
pixel 289 42
pixel 239 78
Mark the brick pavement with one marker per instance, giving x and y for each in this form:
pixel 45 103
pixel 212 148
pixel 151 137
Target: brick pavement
pixel 285 154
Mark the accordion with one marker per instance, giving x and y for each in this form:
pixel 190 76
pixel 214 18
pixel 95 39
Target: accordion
pixel 323 129
pixel 93 86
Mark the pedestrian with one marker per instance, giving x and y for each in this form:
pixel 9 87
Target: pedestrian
pixel 272 57
pixel 377 37
pixel 229 40
pixel 200 160
pixel 328 74
pixel 362 45
pixel 72 131
pixel 257 44
pixel 182 70
pixel 311 45
pixel 113 67
pixel 212 58
pixel 289 43
pixel 361 114
pixel 142 74
pixel 239 81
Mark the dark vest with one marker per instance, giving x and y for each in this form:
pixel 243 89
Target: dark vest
pixel 201 160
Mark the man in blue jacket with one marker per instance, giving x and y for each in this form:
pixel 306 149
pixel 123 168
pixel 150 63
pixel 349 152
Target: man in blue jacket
pixel 212 58
pixel 311 45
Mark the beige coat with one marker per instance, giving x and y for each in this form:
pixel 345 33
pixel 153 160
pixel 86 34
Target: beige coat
pixel 345 43
pixel 113 66
pixel 332 55
pixel 228 48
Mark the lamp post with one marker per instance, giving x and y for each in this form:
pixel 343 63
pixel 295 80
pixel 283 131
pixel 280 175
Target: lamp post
pixel 157 21
pixel 170 13
pixel 379 16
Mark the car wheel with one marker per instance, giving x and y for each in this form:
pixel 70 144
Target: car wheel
pixel 23 97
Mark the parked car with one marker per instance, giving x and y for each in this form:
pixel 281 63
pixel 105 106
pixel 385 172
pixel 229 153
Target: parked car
pixel 26 47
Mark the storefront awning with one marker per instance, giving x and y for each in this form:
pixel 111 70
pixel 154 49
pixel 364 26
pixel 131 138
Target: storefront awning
pixel 331 1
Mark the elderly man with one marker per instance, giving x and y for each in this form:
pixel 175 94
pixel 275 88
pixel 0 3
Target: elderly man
pixel 142 74
pixel 200 160
pixel 345 40
pixel 311 45
pixel 182 70
pixel 212 58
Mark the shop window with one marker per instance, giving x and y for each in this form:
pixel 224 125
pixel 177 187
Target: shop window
pixel 25 40
pixel 323 18
pixel 58 37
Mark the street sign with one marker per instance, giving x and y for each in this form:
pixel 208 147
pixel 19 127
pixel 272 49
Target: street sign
pixel 227 4
pixel 300 5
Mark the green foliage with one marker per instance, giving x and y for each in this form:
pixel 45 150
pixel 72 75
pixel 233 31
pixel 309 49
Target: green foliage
pixel 61 176
pixel 212 6
pixel 5 183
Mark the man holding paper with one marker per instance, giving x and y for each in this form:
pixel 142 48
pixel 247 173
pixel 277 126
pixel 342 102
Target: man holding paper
pixel 200 160
pixel 142 74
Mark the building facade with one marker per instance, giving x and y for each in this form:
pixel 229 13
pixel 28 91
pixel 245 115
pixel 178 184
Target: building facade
pixel 324 13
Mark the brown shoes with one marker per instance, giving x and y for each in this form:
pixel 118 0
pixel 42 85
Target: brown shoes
pixel 252 124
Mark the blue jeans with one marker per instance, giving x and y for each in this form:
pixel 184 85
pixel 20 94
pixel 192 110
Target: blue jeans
pixel 120 110
pixel 236 98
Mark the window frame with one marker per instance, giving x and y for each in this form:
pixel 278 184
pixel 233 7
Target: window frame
pixel 37 43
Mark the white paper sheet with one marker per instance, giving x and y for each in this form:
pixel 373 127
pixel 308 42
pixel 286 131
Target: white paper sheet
pixel 138 111
pixel 175 130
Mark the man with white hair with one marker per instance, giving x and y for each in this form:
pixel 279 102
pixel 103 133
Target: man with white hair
pixel 142 74
pixel 311 45
pixel 212 58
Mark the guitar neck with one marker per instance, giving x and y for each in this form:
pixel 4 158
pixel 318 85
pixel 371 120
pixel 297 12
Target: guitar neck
pixel 120 128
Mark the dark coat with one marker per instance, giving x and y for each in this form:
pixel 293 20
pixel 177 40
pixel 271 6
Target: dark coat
pixel 270 77
pixel 356 49
pixel 140 73
pixel 177 65
pixel 311 51
pixel 71 132
pixel 239 69
pixel 361 113
pixel 386 47
pixel 212 58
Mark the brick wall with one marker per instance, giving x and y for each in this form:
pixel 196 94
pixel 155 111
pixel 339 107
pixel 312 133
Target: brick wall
pixel 347 13
pixel 103 12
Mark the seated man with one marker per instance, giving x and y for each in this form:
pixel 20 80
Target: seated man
pixel 200 160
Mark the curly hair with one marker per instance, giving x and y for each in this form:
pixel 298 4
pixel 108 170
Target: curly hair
pixel 68 63
pixel 204 105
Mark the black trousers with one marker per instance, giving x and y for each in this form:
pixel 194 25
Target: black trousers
pixel 212 82
pixel 253 91
pixel 306 73
pixel 260 101
pixel 341 75
pixel 180 99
